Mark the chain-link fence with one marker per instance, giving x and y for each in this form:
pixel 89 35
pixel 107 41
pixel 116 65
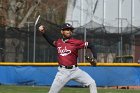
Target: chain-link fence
pixel 16 45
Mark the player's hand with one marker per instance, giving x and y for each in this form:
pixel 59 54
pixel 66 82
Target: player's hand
pixel 42 29
pixel 92 60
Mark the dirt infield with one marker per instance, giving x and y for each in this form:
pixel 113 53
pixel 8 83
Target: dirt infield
pixel 121 87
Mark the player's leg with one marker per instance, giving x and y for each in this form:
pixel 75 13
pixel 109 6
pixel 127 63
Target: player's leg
pixel 84 78
pixel 93 88
pixel 61 78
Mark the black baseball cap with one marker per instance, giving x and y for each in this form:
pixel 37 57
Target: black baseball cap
pixel 67 26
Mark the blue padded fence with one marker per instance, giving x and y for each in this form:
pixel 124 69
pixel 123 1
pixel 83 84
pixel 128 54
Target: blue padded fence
pixel 44 75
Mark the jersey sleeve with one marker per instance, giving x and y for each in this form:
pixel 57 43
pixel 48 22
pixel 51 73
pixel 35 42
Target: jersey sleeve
pixel 81 44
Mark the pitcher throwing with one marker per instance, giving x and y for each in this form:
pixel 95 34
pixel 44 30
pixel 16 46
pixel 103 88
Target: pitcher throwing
pixel 67 48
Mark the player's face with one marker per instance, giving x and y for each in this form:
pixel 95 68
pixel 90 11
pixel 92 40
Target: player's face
pixel 67 33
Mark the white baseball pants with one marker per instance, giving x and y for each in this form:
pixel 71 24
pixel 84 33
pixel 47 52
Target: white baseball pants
pixel 65 75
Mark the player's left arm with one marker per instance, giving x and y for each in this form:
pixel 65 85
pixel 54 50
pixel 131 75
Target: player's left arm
pixel 93 50
pixel 82 44
pixel 92 60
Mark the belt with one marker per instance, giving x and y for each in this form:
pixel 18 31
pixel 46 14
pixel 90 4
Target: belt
pixel 68 67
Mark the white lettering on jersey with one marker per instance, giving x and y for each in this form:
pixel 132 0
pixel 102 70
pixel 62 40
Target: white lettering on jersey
pixel 63 52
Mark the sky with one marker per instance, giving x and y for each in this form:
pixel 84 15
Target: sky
pixel 106 12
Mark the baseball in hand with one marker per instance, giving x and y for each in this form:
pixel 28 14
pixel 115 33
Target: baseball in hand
pixel 42 29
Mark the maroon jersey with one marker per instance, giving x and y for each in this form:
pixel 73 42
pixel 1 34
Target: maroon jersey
pixel 68 51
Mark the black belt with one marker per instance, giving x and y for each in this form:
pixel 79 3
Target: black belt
pixel 68 67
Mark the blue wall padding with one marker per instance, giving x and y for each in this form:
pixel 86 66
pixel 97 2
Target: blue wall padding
pixel 43 75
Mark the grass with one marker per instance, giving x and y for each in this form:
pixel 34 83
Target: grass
pixel 45 89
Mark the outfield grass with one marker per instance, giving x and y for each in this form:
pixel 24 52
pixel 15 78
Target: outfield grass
pixel 43 89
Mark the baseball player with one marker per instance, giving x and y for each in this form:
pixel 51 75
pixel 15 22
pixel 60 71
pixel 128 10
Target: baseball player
pixel 67 49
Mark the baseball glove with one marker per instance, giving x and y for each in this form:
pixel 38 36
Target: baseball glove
pixel 92 60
